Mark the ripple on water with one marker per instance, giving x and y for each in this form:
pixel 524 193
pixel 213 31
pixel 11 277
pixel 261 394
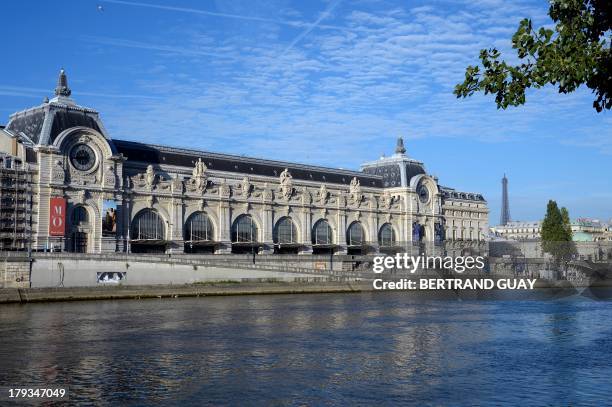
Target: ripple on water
pixel 314 349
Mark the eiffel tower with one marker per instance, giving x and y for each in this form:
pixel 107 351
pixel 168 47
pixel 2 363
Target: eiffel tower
pixel 505 210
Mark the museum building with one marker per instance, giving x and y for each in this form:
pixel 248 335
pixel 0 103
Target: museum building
pixel 67 185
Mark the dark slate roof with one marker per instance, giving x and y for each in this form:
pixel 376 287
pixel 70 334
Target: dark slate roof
pixel 390 174
pixel 70 118
pixel 29 123
pixel 156 154
pixel 467 196
pixel 413 169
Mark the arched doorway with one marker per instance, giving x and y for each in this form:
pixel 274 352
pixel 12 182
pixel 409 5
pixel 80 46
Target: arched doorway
pixel 355 239
pixel 322 238
pixel 245 235
pixel 147 233
pixel 285 237
pixel 387 241
pixel 79 230
pixel 199 234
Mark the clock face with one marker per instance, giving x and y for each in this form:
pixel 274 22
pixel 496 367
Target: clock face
pixel 82 157
pixel 423 193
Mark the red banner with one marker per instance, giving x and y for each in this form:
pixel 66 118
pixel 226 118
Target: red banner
pixel 57 217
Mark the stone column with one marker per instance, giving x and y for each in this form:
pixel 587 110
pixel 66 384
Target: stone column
pixel 267 221
pixel 373 232
pixel 177 225
pixel 341 232
pixel 306 238
pixel 224 237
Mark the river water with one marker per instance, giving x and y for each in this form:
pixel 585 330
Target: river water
pixel 340 349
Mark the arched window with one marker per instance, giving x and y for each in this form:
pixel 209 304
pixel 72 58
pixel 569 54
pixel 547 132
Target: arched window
pixel 79 215
pixel 322 233
pixel 285 231
pixel 148 225
pixel 198 228
pixel 354 234
pixel 386 236
pixel 244 230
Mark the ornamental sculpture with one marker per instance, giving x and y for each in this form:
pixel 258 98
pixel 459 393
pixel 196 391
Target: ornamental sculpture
pixel 355 196
pixel 245 187
pixel 149 177
pixel 199 179
pixel 59 173
pixel 286 184
pixel 322 195
pixel 109 176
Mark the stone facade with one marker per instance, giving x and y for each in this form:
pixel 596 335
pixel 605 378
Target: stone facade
pixel 173 200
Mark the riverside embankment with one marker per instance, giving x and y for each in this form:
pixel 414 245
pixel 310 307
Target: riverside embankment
pixel 26 295
pixel 32 295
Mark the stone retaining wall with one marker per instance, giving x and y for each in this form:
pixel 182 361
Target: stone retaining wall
pixel 194 290
pixel 14 273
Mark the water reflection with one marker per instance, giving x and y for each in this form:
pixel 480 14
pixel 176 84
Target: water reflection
pixel 313 349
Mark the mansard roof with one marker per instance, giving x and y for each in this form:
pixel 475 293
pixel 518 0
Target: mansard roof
pixel 450 193
pixel 396 170
pixel 42 124
pixel 157 154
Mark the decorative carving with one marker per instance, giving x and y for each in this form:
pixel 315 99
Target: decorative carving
pixel 306 196
pixel 146 180
pixel 109 176
pixel 286 184
pixel 224 190
pixel 322 195
pixel 150 200
pixel 58 173
pixel 245 187
pixel 177 185
pixel 268 195
pixel 149 177
pixel 385 200
pixel 199 179
pixel 85 139
pixel 355 196
pixel 285 176
pixel 355 186
pixel 395 202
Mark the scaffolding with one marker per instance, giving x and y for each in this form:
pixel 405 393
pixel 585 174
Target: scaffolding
pixel 15 204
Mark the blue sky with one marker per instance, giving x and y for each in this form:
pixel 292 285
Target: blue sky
pixel 322 82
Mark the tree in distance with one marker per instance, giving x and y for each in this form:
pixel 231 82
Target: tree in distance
pixel 556 234
pixel 578 51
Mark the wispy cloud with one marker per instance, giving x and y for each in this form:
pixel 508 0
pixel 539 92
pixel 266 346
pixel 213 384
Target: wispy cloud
pixel 329 83
pixel 121 42
pixel 311 27
pixel 297 24
pixel 37 92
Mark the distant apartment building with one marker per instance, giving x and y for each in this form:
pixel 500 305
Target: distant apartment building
pixel 583 230
pixel 517 231
pixel 591 230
